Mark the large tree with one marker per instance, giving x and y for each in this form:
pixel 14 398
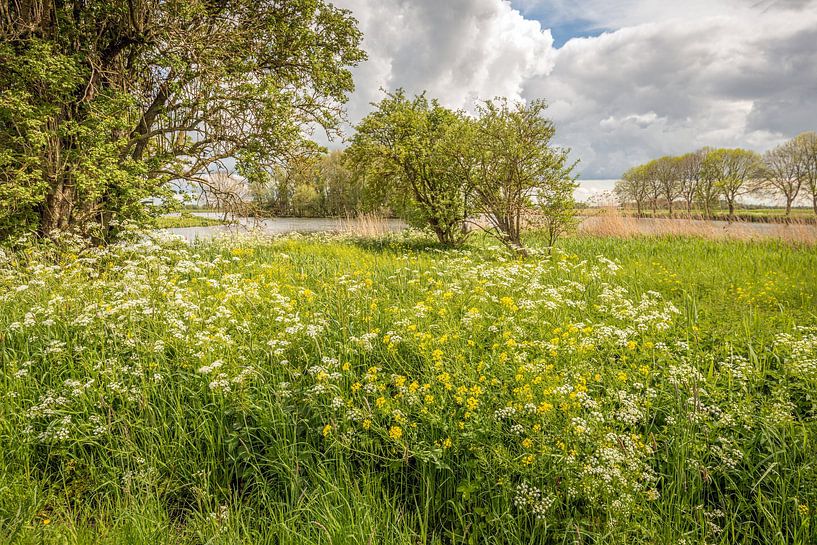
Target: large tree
pixel 668 175
pixel 633 188
pixel 805 146
pixel 511 165
pixel 734 171
pixel 690 167
pixel 782 172
pixel 403 148
pixel 103 102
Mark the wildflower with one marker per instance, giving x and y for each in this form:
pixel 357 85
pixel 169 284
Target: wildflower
pixel 367 424
pixel 396 432
pixel 327 429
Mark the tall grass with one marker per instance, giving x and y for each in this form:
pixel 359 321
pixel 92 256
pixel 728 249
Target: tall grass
pixel 335 390
pixel 612 223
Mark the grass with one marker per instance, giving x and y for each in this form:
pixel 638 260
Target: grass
pixel 185 220
pixel 611 223
pixel 330 389
pixel 799 213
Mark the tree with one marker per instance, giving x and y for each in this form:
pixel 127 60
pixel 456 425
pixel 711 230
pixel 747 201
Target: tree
pixel 782 173
pixel 103 102
pixel 653 184
pixel 342 192
pixel 666 171
pixel 690 167
pixel 633 187
pixel 805 146
pixel 507 158
pixel 305 200
pixel 733 171
pixel 556 206
pixel 402 147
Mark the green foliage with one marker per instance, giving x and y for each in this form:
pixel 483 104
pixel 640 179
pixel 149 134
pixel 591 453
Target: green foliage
pixel 38 86
pixel 323 180
pixel 732 171
pixel 402 151
pixel 102 103
pixel 556 208
pixel 505 154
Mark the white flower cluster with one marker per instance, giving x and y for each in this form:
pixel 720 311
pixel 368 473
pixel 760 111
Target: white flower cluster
pixel 533 500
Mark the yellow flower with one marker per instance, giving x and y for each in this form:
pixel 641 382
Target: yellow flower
pixel 356 386
pixel 396 432
pixel 527 443
pixel 46 521
pixel 367 423
pixel 529 459
pixel 380 401
pixel 447 443
pixel 631 345
pixel 327 429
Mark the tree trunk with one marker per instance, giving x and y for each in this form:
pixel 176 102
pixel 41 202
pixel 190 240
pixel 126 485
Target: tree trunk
pixel 788 206
pixel 731 208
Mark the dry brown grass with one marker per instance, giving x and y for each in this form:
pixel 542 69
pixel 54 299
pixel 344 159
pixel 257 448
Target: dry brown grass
pixel 611 223
pixel 365 225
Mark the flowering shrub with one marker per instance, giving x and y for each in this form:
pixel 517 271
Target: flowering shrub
pixel 541 399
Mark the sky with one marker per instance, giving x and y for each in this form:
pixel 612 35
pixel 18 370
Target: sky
pixel 626 81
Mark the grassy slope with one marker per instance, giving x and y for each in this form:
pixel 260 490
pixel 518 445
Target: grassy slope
pixel 299 490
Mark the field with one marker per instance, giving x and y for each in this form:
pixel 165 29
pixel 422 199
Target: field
pixel 185 219
pixel 333 389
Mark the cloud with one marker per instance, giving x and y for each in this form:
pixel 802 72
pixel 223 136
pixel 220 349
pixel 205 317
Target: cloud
pixel 661 78
pixel 655 88
pixel 457 50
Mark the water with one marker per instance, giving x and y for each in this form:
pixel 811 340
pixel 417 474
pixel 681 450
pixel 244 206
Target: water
pixel 271 226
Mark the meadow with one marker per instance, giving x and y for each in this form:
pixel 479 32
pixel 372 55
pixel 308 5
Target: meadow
pixel 335 389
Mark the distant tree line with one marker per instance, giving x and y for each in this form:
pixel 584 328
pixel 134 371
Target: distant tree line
pixel 709 178
pixel 311 186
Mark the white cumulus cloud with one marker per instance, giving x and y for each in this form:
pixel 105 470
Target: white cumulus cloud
pixel 662 77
